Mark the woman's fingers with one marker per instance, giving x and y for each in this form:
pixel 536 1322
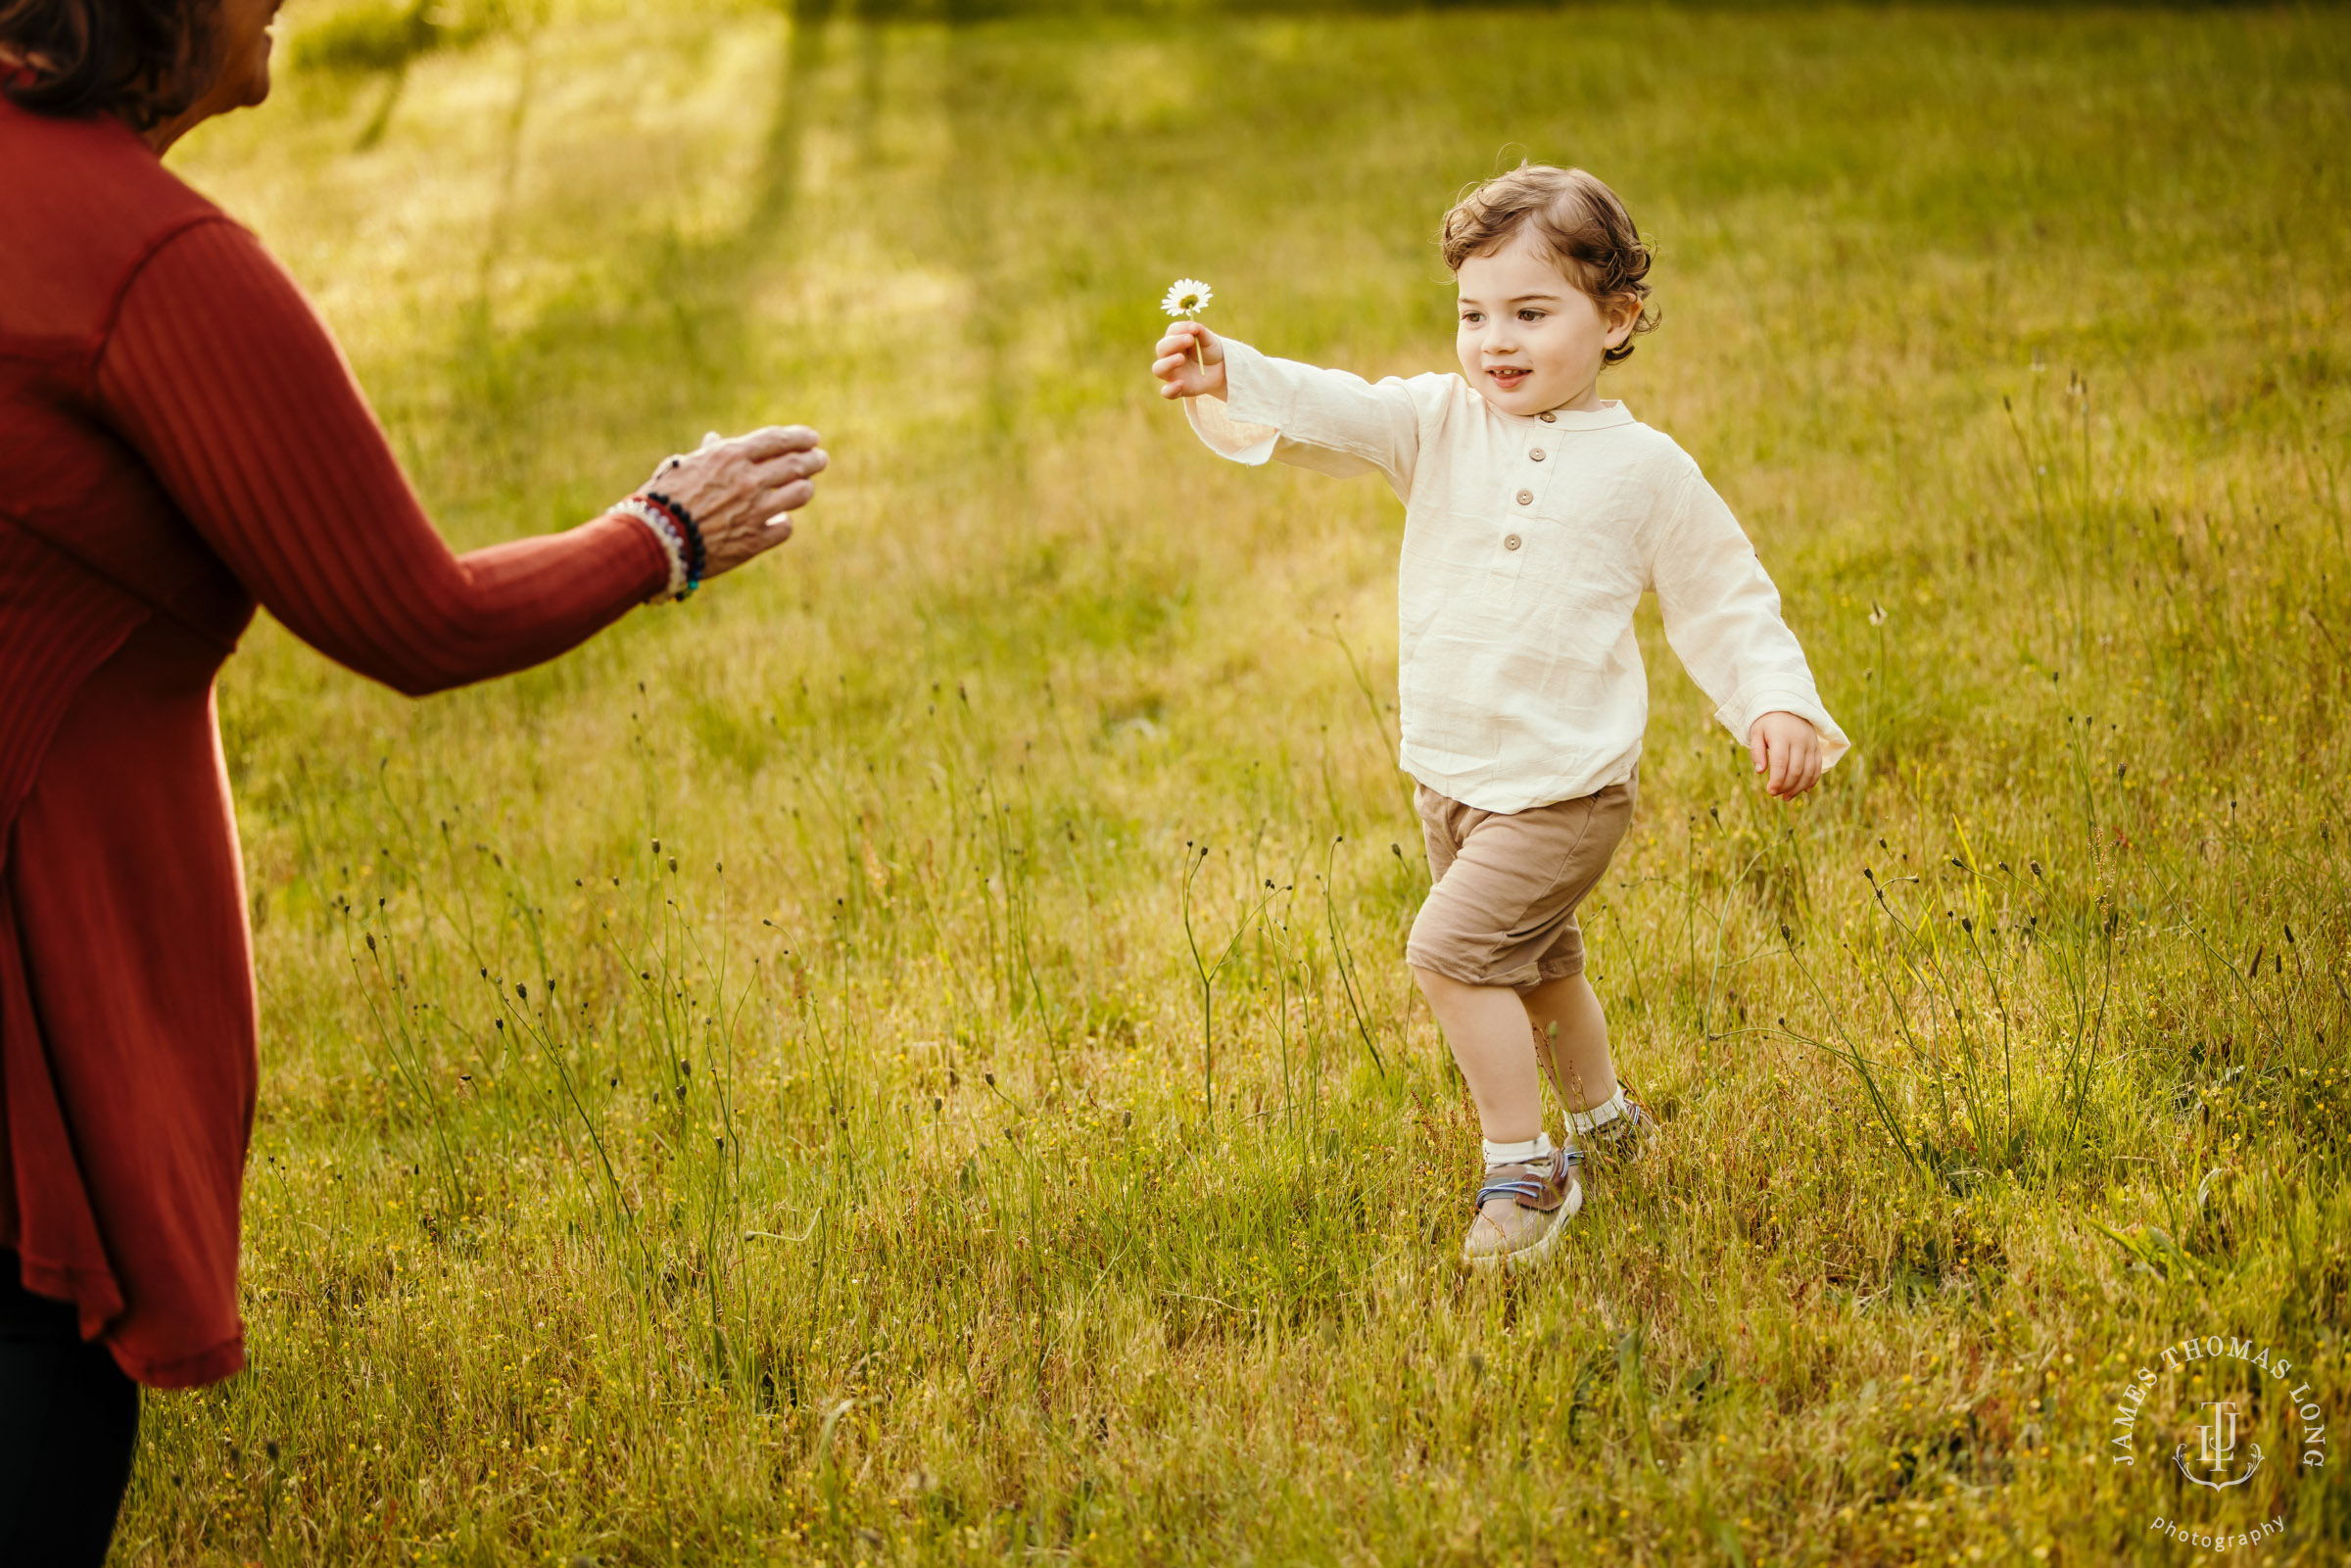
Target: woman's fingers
pixel 736 481
pixel 794 465
pixel 774 441
pixel 781 488
pixel 789 497
pixel 720 461
pixel 765 534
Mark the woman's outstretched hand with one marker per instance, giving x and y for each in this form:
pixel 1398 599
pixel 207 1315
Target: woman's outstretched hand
pixel 1190 363
pixel 742 490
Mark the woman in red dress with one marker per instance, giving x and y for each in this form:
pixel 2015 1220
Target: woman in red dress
pixel 179 438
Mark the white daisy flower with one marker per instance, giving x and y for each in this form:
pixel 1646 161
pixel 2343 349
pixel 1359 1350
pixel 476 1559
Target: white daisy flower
pixel 1187 298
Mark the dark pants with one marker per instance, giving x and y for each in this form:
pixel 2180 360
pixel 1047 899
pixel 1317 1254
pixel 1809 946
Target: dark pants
pixel 68 1421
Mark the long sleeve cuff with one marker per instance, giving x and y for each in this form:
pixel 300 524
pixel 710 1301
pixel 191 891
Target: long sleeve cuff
pixel 1241 425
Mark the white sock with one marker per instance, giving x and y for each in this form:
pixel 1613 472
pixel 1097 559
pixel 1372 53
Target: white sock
pixel 1600 1115
pixel 1537 1147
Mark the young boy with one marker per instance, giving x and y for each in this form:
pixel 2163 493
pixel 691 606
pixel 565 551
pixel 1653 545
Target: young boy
pixel 1535 516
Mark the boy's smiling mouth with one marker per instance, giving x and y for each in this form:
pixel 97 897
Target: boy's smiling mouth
pixel 1507 376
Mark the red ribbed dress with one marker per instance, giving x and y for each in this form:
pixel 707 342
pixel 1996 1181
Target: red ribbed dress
pixel 179 438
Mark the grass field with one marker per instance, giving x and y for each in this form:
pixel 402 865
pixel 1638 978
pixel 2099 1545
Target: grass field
pixel 745 1093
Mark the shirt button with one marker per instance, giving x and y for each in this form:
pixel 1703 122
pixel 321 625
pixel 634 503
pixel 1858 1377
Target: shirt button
pixel 1511 543
pixel 1548 418
pixel 1526 498
pixel 1536 454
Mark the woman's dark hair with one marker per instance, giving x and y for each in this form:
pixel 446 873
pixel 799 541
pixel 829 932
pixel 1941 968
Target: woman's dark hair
pixel 142 60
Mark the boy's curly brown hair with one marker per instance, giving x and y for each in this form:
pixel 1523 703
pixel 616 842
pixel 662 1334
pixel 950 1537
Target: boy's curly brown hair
pixel 1576 220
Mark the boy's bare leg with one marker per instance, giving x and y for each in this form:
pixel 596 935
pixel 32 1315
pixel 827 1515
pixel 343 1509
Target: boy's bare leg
pixel 1486 1027
pixel 1582 1071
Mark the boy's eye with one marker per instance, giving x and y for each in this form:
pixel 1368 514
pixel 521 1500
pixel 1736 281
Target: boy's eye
pixel 1530 315
pixel 1471 317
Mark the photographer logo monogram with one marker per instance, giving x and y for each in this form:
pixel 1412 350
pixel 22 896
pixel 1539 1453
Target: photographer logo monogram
pixel 2216 1447
pixel 2218 1410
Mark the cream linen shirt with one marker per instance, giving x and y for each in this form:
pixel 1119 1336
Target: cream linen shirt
pixel 1527 543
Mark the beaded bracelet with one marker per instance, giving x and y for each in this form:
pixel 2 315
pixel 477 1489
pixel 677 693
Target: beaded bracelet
pixel 671 538
pixel 698 559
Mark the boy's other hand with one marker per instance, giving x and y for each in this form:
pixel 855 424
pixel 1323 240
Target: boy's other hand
pixel 1787 750
pixel 1190 363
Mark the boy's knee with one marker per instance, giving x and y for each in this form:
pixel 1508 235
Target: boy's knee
pixel 1433 982
pixel 1445 976
pixel 1455 963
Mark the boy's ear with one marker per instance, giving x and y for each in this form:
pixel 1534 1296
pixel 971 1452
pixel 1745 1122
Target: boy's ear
pixel 1623 313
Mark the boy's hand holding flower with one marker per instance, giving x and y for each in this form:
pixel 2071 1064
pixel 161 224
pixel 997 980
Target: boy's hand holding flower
pixel 1191 359
pixel 1190 363
pixel 1787 752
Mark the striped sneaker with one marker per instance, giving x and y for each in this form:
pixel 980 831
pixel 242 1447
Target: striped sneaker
pixel 1521 1209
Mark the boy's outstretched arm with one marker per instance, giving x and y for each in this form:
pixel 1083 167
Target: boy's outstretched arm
pixel 1190 363
pixel 1253 408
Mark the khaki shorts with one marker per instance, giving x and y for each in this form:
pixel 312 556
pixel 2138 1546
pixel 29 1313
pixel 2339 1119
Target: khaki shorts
pixel 1503 910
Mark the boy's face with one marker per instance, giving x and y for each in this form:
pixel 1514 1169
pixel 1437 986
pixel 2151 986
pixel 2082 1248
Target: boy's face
pixel 1530 340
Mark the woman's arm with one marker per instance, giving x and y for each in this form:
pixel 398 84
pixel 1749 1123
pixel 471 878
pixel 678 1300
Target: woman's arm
pixel 222 376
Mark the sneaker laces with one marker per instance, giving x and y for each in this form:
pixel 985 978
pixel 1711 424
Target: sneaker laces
pixel 1523 1186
